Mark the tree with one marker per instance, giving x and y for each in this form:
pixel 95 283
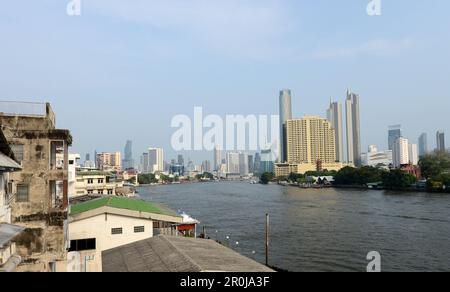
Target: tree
pixel 397 179
pixel 434 164
pixel 266 178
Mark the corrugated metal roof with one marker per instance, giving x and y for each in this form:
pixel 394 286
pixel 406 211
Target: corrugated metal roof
pixel 8 164
pixel 177 254
pixel 8 232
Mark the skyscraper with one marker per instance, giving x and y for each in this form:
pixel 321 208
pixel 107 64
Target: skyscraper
pixel 109 161
pixel 257 164
pixel 394 133
pixel 243 164
pixel 250 164
pixel 128 161
pixel 310 139
pixel 334 116
pixel 353 129
pixel 156 159
pixel 401 152
pixel 233 163
pixel 423 144
pixel 206 166
pixel 217 158
pixel 285 115
pixel 145 163
pixel 267 161
pixel 440 141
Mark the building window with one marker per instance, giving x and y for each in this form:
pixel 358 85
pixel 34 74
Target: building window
pixel 139 229
pixel 18 152
pixel 100 192
pixel 90 181
pixel 57 154
pixel 100 180
pixel 22 193
pixel 71 162
pixel 90 192
pixel 116 231
pixel 83 244
pixel 110 192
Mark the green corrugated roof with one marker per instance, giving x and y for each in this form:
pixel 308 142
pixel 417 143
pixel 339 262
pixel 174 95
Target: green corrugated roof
pixel 122 203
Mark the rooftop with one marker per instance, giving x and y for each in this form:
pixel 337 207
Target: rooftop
pixel 177 254
pixel 122 203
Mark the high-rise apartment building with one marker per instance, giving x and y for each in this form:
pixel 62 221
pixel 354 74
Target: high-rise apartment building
pixel 334 116
pixel 394 133
pixel 401 152
pixel 285 115
pixel 423 144
pixel 310 140
pixel 156 160
pixel 352 118
pixel 243 164
pixel 109 161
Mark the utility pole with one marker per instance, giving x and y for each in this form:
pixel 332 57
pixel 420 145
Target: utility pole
pixel 267 239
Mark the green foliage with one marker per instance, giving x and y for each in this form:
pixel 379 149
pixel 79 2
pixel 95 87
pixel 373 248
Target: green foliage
pixel 397 179
pixel 358 176
pixel 295 177
pixel 148 178
pixel 435 167
pixel 321 173
pixel 267 177
pixel 205 175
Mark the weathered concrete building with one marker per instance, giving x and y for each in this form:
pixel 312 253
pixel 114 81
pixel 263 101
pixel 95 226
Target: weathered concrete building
pixel 41 200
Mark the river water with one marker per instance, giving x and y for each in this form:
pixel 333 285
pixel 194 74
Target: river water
pixel 319 230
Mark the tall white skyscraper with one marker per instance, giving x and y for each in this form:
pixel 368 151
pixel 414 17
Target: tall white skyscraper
pixel 400 152
pixel 352 119
pixel 156 159
pixel 334 116
pixel 285 115
pixel 413 154
pixel 217 157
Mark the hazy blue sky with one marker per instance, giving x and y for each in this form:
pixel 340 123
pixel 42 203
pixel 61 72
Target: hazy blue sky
pixel 123 69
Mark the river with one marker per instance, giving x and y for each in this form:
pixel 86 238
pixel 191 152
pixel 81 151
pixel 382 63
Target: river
pixel 319 229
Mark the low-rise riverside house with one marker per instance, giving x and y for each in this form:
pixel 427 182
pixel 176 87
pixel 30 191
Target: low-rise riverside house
pixel 109 222
pixel 177 254
pixel 96 182
pixel 8 255
pixel 41 200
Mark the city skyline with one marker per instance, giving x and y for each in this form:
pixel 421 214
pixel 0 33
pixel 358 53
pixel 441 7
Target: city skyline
pixel 157 65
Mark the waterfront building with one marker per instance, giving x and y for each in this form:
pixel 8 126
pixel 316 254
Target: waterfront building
pixel 423 144
pixel 334 116
pixel 394 133
pixel 352 117
pixel 128 161
pixel 413 154
pixel 285 115
pixel 440 141
pixel 41 200
pixel 267 161
pixel 145 163
pixel 109 161
pixel 176 169
pixel 156 160
pixel 102 224
pixel 309 140
pixel 401 152
pixel 375 158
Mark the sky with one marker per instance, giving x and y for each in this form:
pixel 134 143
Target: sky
pixel 123 69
